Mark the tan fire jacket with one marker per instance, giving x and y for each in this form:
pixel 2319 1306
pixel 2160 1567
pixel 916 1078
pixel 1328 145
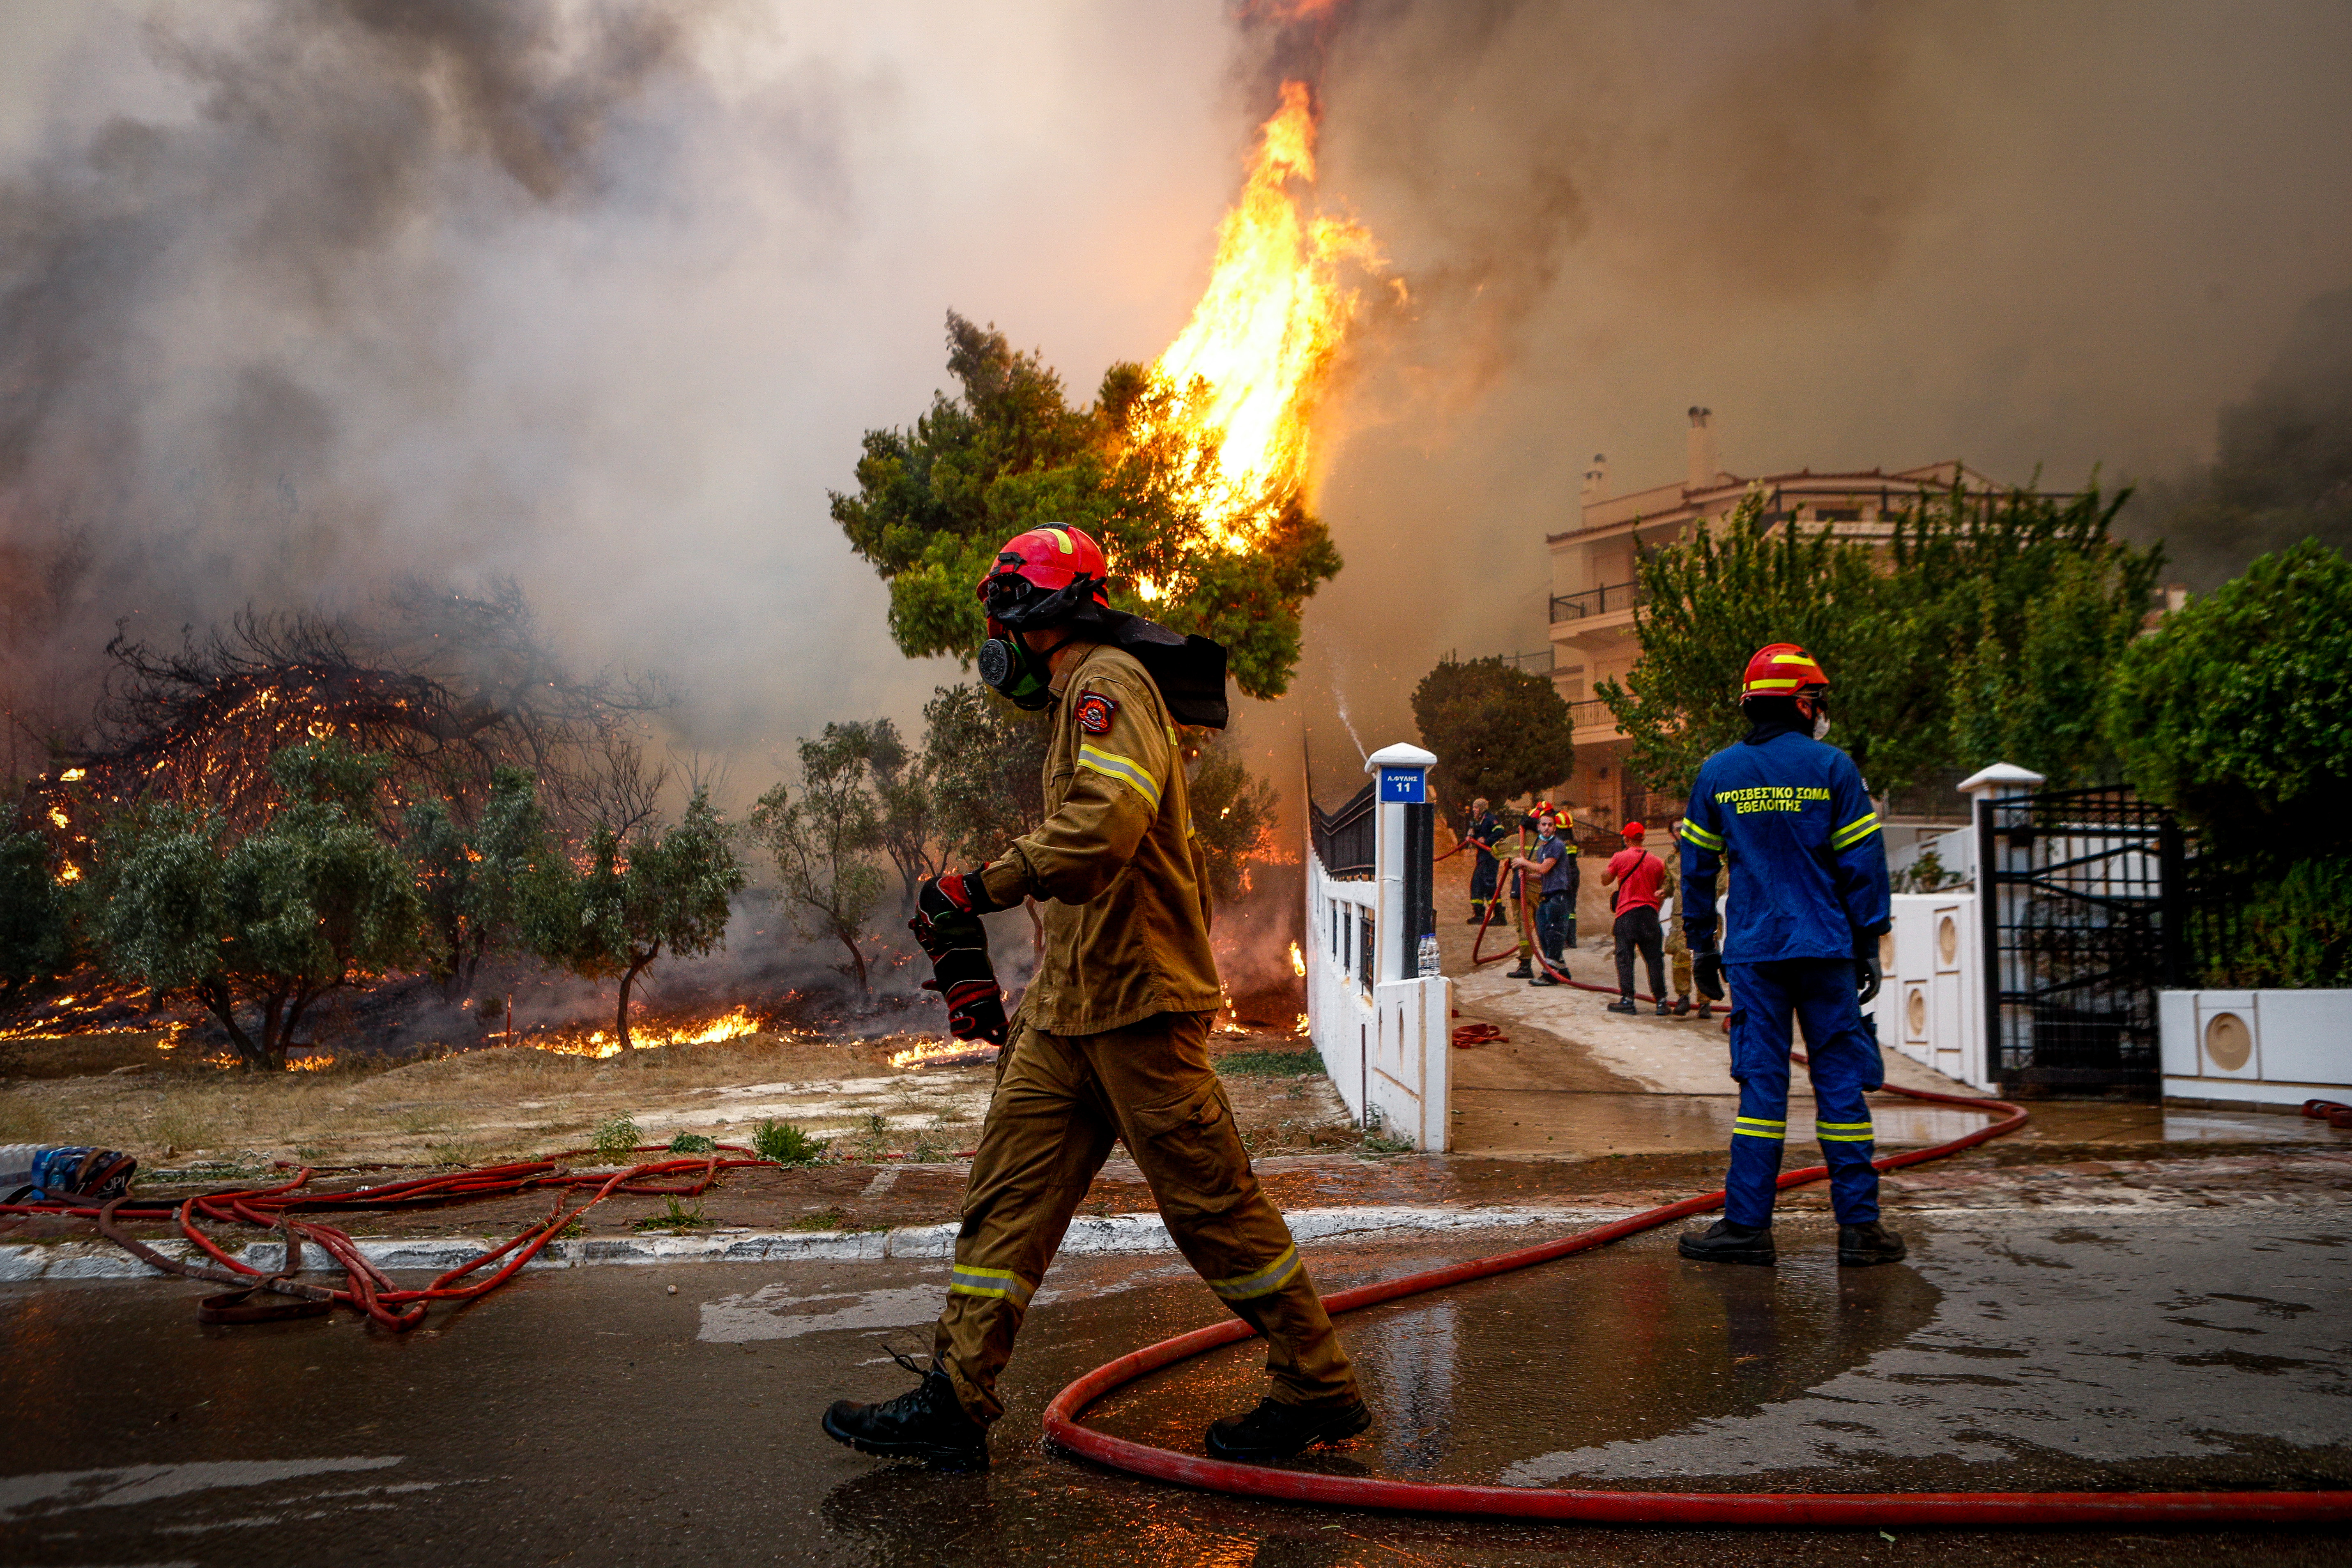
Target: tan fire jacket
pixel 1115 864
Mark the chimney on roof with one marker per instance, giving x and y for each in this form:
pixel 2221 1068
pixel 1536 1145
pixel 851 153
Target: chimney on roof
pixel 1702 450
pixel 1596 479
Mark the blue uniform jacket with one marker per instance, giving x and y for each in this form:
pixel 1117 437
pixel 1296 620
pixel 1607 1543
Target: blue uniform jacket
pixel 1808 863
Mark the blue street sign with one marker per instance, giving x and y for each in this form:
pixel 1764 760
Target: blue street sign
pixel 1407 786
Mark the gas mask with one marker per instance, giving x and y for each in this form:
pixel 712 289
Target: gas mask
pixel 1023 677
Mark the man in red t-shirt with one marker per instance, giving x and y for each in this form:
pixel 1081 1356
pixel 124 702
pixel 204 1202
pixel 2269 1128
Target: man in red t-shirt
pixel 1636 874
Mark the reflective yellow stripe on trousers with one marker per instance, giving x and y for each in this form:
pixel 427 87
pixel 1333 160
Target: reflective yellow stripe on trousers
pixel 1000 1283
pixel 1263 1281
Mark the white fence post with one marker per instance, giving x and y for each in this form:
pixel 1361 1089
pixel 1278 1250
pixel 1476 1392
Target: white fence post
pixel 1383 1029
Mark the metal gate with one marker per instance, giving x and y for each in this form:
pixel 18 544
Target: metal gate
pixel 2084 923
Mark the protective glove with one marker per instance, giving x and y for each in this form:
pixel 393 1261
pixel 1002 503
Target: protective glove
pixel 1867 974
pixel 1706 972
pixel 947 925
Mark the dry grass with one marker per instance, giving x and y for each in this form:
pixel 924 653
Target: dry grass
pixel 467 1107
pixel 481 1106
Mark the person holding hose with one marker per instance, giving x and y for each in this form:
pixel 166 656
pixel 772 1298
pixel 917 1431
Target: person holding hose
pixel 1808 900
pixel 1110 1042
pixel 1486 831
pixel 1553 863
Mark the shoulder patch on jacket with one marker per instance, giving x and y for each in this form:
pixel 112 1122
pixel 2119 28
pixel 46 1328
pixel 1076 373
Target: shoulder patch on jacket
pixel 1094 713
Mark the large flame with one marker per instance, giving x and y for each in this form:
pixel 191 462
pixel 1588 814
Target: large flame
pixel 1246 372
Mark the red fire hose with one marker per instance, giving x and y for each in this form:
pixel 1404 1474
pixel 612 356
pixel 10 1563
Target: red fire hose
pixel 1849 1509
pixel 366 1288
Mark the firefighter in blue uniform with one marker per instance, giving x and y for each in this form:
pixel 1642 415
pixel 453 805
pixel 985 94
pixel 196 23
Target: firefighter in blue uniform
pixel 1808 900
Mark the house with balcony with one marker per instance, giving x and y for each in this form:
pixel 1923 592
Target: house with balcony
pixel 1595 581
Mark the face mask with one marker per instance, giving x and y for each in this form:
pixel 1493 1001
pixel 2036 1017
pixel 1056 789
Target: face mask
pixel 1006 664
pixel 1821 726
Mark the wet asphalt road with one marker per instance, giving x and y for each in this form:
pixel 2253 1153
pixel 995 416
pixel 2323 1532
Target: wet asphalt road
pixel 590 1416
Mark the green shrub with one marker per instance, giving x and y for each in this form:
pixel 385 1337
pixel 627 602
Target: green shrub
pixel 616 1137
pixel 674 1217
pixel 2237 710
pixel 786 1144
pixel 2297 931
pixel 693 1143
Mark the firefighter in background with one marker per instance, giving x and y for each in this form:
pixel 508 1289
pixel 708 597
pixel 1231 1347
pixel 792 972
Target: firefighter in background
pixel 1486 831
pixel 1809 899
pixel 1112 1040
pixel 1553 865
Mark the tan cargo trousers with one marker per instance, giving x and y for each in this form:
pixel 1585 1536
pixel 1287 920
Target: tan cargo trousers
pixel 1060 1101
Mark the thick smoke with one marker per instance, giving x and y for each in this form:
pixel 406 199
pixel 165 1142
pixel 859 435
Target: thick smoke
pixel 2283 471
pixel 2046 239
pixel 300 298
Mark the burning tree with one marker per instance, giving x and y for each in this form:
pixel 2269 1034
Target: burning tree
pixel 447 689
pixel 494 887
pixel 36 936
pixel 1233 815
pixel 1194 473
pixel 184 902
pixel 668 891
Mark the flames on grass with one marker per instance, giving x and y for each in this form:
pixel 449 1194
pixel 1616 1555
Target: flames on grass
pixel 601 1042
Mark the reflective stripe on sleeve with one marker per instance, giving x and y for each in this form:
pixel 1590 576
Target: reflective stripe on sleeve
pixel 1700 835
pixel 1844 1131
pixel 1854 832
pixel 1001 1284
pixel 1263 1281
pixel 1756 1127
pixel 1126 770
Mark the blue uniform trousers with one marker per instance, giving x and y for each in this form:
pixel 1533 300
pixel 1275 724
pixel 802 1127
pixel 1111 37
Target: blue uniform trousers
pixel 1556 925
pixel 1482 883
pixel 1845 1062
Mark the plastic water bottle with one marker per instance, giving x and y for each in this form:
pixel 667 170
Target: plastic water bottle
pixel 1431 965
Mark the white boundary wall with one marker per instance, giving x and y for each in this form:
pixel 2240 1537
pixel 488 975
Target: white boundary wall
pixel 1385 1036
pixel 1931 1005
pixel 2266 1049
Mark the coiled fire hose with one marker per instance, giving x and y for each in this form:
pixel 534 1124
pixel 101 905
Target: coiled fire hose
pixel 366 1288
pixel 1880 1509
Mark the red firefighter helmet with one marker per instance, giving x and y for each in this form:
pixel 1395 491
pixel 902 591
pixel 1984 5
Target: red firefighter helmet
pixel 1042 578
pixel 1782 669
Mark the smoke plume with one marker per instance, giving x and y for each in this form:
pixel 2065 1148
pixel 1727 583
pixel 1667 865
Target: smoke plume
pixel 2050 240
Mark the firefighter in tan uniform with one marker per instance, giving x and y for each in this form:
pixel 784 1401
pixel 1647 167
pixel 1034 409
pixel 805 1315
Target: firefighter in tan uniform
pixel 1110 1042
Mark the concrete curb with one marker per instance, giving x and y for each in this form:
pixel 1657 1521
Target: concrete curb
pixel 1088 1234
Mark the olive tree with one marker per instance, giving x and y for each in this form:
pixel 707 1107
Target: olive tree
pixel 486 890
pixel 662 890
pixel 264 922
pixel 824 840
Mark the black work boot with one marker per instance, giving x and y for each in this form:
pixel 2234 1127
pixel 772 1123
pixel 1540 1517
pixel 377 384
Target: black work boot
pixel 1724 1242
pixel 1279 1431
pixel 1521 972
pixel 1859 1245
pixel 1622 1005
pixel 927 1423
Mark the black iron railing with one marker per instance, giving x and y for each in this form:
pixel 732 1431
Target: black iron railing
pixel 1603 601
pixel 1343 838
pixel 2085 902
